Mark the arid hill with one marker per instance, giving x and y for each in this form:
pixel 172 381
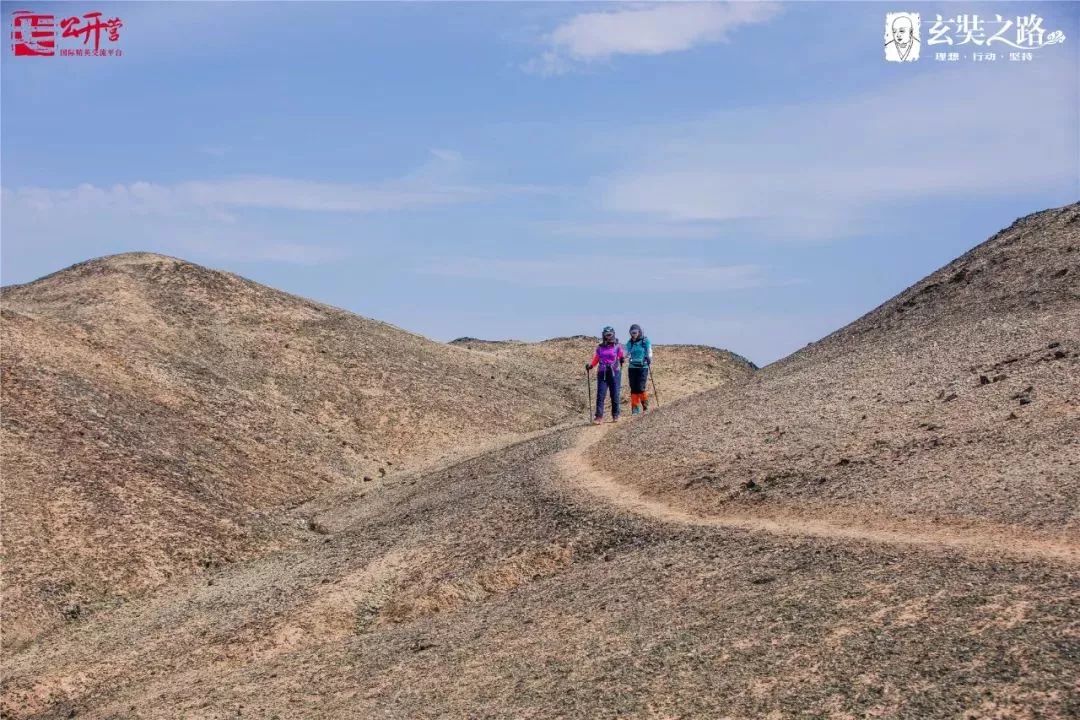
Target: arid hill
pixel 629 572
pixel 158 415
pixel 956 402
pixel 681 370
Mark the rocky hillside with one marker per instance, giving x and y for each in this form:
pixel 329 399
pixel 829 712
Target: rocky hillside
pixel 957 401
pixel 883 525
pixel 160 416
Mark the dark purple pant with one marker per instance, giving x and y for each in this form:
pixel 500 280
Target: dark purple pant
pixel 608 381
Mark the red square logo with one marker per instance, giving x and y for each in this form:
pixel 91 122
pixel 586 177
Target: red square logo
pixel 33 33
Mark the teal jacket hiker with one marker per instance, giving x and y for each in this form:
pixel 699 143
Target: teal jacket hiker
pixel 639 352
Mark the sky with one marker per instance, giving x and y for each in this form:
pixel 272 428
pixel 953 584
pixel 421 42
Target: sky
pixel 746 175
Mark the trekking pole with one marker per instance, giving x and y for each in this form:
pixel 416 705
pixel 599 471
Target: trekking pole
pixel 588 383
pixel 652 379
pixel 626 382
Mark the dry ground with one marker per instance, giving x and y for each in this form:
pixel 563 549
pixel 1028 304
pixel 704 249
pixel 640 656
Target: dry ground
pixel 161 418
pixel 500 588
pixel 955 403
pixel 932 573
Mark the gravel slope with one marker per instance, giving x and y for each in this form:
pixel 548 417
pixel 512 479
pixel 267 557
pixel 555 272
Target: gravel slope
pixel 496 589
pixel 956 402
pixel 159 416
pixel 506 586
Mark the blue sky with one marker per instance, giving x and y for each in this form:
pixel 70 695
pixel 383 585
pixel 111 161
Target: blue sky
pixel 746 175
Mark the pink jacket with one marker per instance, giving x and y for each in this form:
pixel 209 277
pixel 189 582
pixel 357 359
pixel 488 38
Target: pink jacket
pixel 607 356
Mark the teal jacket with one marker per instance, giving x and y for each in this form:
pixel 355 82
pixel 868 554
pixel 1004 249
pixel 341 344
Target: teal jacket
pixel 640 352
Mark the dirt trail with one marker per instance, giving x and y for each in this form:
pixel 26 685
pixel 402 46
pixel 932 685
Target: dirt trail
pixel 575 469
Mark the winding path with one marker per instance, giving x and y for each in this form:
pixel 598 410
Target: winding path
pixel 575 470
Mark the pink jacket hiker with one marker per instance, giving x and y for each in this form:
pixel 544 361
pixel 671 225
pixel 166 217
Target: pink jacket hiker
pixel 607 356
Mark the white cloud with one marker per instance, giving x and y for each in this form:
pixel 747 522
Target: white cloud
pixel 652 30
pixel 819 171
pixel 452 156
pixel 289 194
pixel 208 218
pixel 760 336
pixel 87 221
pixel 658 274
pixel 616 230
pixel 243 247
pixel 439 182
pixel 249 192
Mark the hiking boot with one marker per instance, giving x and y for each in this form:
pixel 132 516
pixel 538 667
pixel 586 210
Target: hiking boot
pixel 597 421
pixel 636 411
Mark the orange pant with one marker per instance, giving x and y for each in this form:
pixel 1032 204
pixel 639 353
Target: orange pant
pixel 641 399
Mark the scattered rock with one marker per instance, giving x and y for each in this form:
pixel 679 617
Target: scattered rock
pixel 1024 396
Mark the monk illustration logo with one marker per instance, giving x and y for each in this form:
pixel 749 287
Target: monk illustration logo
pixel 902 37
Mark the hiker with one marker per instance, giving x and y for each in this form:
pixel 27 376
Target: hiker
pixel 610 357
pixel 639 351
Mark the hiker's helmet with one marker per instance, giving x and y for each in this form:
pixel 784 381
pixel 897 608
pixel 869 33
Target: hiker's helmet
pixel 608 333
